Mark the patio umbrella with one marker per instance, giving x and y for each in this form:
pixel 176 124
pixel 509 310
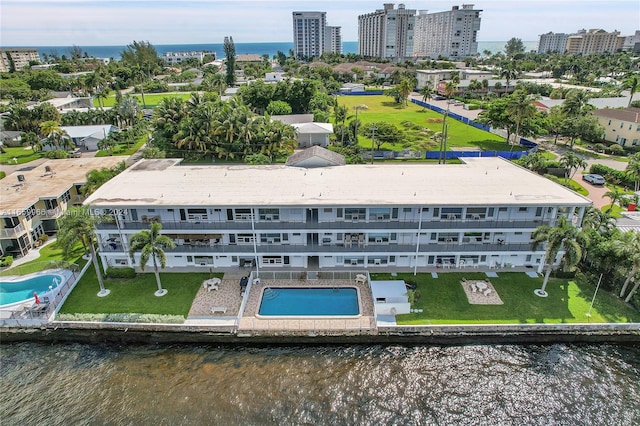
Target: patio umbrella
pixel 35 294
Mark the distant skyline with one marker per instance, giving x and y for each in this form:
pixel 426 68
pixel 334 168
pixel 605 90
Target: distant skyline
pixel 116 22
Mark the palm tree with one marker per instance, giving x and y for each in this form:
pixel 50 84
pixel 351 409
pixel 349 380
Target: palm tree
pixel 631 83
pixel 54 134
pixel 508 73
pixel 404 89
pixel 151 245
pixel 575 103
pixel 139 77
pixel 521 109
pixel 426 91
pixel 358 108
pixel 78 224
pixel 615 195
pixel 633 170
pixel 600 221
pixel 628 247
pixel 30 138
pixel 563 237
pixel 571 161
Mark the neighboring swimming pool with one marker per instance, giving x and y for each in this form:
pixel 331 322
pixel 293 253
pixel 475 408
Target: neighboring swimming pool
pixel 309 301
pixel 21 289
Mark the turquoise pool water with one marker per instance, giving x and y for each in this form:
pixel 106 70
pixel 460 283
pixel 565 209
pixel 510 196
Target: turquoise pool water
pixel 309 301
pixel 21 290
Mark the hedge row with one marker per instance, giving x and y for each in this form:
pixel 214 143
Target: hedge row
pixel 612 175
pixel 120 273
pixel 124 317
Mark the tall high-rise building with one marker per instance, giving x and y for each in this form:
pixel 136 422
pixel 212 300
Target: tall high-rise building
pixel 333 39
pixel 387 32
pixel 552 42
pixel 452 34
pixel 312 36
pixel 17 58
pixel 594 41
pixel 309 33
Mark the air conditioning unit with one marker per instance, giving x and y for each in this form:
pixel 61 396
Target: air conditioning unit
pixel 354 261
pixel 377 261
pixel 270 240
pixel 380 217
pixel 378 240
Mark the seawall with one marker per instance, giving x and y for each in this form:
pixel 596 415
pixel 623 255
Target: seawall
pixel 135 333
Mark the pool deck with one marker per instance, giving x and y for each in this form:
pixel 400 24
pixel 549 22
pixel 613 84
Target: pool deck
pixel 228 296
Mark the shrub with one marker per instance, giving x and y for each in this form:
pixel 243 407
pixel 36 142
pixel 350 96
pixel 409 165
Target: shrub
pixel 612 175
pixel 125 317
pixel 43 238
pixel 57 154
pixel 615 149
pixel 6 261
pixel 121 273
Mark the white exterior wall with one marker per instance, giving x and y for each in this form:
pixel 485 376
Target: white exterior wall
pixel 451 34
pixel 379 239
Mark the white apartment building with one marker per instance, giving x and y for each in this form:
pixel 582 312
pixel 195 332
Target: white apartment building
pixel 19 56
pixel 400 217
pixel 309 33
pixel 387 32
pixel 451 34
pixel 552 42
pixel 175 58
pixel 333 39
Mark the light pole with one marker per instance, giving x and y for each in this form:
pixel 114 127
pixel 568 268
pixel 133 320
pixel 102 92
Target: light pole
pixel 588 314
pixel 373 138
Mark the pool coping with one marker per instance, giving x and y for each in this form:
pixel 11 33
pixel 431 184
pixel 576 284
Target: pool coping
pixel 309 317
pixel 19 278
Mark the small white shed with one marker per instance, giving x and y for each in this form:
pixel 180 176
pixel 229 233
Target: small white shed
pixel 390 297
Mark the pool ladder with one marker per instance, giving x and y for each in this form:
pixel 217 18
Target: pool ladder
pixel 269 294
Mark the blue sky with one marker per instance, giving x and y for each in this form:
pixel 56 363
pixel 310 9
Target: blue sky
pixel 114 22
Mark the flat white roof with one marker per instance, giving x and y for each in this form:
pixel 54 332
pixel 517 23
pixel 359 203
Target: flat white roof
pixel 388 289
pixel 39 184
pixel 479 181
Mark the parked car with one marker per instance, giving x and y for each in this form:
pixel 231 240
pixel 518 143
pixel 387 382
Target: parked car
pixel 593 179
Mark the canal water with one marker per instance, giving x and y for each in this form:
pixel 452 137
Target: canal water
pixel 80 384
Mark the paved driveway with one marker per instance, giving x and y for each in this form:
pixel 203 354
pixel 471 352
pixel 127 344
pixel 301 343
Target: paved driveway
pixel 596 192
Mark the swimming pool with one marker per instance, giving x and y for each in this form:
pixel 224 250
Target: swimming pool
pixel 21 289
pixel 309 301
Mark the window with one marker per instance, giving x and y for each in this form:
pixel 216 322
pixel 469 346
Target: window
pixel 327 210
pixel 267 214
pixel 406 210
pixel 523 209
pixel 30 213
pixel 66 197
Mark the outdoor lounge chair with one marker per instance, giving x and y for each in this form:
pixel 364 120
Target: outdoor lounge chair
pixel 219 309
pixel 212 287
pixel 361 278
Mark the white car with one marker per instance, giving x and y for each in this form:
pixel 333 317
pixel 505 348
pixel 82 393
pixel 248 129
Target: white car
pixel 593 179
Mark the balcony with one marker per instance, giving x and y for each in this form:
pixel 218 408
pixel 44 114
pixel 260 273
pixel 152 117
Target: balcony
pixel 337 225
pixel 12 232
pixel 53 213
pixel 301 249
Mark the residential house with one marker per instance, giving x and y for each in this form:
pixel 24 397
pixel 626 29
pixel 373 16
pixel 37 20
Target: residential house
pixel 621 126
pixel 88 137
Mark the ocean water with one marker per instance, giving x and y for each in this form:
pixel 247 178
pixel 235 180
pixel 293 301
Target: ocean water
pixel 241 48
pixel 99 384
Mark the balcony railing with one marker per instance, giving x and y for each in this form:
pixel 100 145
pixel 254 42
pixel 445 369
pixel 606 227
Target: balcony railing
pixel 53 213
pixel 12 232
pixel 460 224
pixel 335 248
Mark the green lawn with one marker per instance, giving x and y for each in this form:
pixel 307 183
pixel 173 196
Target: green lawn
pixel 614 210
pixel 444 301
pixel 125 150
pixel 21 153
pixel 48 253
pixel 152 99
pixel 571 184
pixel 412 120
pixel 136 295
